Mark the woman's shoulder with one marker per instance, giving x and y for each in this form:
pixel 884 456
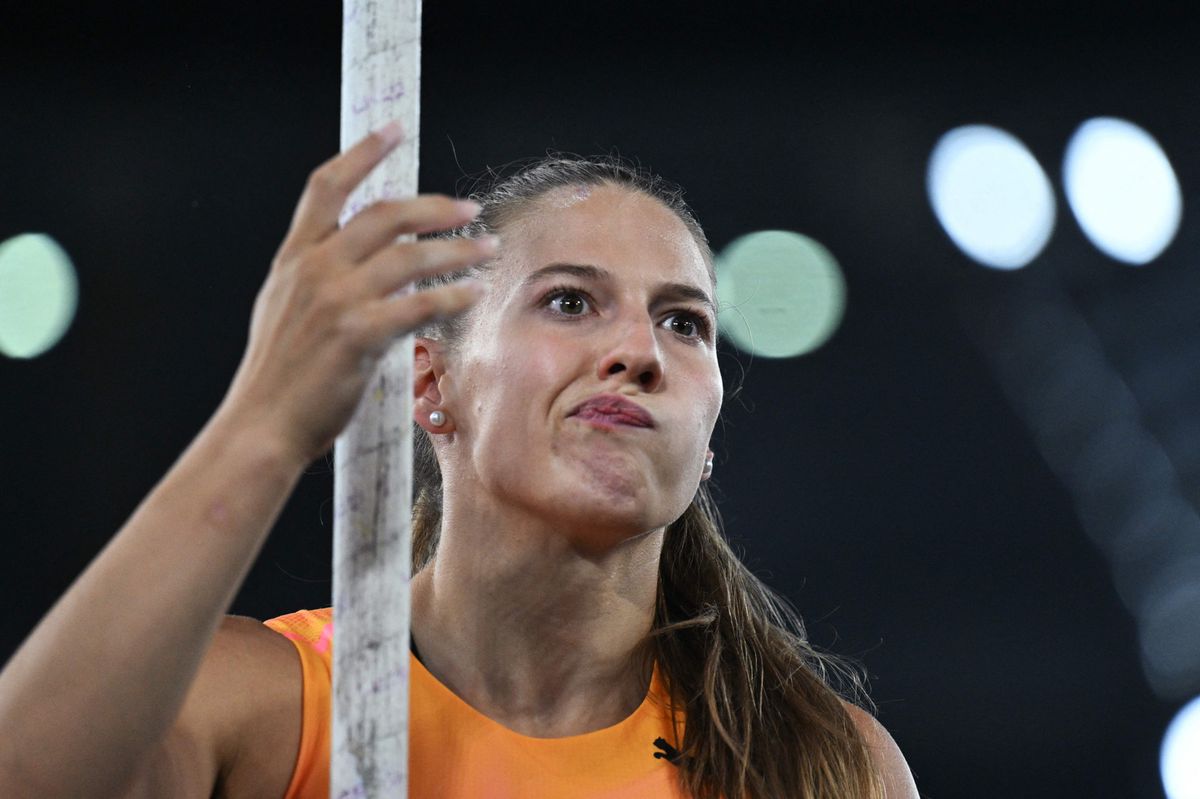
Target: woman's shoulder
pixel 897 777
pixel 236 734
pixel 245 707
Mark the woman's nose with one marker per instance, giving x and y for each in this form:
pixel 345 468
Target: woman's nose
pixel 634 353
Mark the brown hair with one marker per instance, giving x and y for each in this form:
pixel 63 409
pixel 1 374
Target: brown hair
pixel 761 717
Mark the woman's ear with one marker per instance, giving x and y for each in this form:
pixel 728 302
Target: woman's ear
pixel 428 368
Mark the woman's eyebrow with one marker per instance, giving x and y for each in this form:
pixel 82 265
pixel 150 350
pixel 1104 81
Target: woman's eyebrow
pixel 587 271
pixel 685 291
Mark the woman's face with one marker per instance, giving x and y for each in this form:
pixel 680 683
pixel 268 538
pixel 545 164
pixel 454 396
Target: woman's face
pixel 601 299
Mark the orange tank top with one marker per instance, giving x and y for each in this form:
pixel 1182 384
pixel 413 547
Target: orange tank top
pixel 456 752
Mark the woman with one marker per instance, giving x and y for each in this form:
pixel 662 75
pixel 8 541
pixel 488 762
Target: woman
pixel 575 593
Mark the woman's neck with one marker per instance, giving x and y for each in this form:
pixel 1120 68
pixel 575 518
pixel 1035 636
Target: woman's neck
pixel 532 633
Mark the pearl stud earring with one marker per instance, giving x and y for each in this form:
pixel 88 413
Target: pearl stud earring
pixel 437 418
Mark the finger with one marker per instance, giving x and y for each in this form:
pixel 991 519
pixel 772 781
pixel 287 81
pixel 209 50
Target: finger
pixel 402 264
pixel 395 316
pixel 331 183
pixel 381 223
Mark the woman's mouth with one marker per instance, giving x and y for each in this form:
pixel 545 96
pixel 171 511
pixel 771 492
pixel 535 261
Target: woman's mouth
pixel 612 411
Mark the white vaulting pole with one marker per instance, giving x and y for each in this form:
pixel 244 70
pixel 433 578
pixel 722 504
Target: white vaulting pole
pixel 372 535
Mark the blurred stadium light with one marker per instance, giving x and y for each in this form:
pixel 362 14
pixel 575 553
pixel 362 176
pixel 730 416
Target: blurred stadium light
pixel 781 294
pixel 1122 189
pixel 991 196
pixel 1180 756
pixel 38 294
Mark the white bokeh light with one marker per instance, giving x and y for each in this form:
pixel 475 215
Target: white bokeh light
pixel 1122 189
pixel 991 196
pixel 1180 756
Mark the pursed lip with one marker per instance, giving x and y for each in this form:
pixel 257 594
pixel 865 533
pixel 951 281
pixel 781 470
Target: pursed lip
pixel 614 409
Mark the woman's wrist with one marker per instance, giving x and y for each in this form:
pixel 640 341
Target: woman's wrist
pixel 254 434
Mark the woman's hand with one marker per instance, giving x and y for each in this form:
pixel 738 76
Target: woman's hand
pixel 329 309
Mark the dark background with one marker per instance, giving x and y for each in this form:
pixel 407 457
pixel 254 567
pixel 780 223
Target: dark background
pixel 885 483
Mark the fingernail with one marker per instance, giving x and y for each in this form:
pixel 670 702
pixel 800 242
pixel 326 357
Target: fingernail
pixel 391 133
pixel 468 208
pixel 489 243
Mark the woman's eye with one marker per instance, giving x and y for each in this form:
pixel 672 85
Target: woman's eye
pixel 568 303
pixel 688 325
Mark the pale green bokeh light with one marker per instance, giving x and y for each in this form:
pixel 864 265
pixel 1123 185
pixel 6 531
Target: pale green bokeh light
pixel 781 294
pixel 38 294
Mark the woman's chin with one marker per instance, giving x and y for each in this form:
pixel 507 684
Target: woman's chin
pixel 595 516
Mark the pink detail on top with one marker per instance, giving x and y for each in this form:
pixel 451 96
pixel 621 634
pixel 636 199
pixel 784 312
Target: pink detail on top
pixel 323 643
